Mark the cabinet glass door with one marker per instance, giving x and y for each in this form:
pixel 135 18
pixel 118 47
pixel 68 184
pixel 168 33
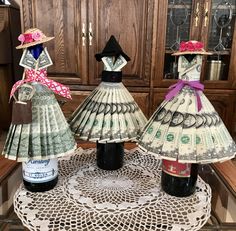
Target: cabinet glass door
pixel 177 30
pixel 221 30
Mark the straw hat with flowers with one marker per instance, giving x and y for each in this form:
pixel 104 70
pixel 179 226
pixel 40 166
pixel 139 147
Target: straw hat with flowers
pixel 191 47
pixel 32 37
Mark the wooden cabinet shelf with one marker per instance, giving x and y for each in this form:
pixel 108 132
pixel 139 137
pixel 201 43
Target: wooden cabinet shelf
pixel 224 52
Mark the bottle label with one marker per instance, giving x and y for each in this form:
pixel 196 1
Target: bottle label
pixel 40 171
pixel 175 168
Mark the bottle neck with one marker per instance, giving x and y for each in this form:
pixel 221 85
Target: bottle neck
pixel 110 156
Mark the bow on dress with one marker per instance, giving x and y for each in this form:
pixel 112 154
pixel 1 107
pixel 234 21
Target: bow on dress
pixel 193 71
pixel 194 85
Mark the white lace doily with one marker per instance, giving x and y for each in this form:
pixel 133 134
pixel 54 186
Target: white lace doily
pixel 87 198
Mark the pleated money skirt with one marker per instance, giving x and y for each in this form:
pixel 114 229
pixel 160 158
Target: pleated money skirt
pixel 177 130
pixel 48 136
pixel 109 114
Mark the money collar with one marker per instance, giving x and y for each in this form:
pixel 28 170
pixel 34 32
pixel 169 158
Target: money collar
pixel 28 61
pixel 190 68
pixel 184 62
pixel 29 55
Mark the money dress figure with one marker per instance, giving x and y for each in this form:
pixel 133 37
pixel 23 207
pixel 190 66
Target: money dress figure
pixel 109 115
pixel 39 130
pixel 186 127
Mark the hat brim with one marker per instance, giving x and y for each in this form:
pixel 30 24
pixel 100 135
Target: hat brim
pixel 192 53
pixel 46 39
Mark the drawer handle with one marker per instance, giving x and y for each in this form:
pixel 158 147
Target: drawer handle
pixel 90 34
pixel 196 15
pixel 83 34
pixel 206 14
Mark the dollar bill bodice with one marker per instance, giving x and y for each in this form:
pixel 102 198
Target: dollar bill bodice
pixel 190 70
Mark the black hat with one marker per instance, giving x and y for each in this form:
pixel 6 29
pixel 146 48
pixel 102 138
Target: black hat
pixel 112 48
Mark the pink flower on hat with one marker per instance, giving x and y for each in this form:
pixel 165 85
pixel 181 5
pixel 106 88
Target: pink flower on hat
pixel 191 46
pixel 31 37
pixel 21 38
pixel 37 36
pixel 183 46
pixel 28 38
pixel 199 45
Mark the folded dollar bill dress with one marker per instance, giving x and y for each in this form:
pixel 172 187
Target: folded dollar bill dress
pixel 109 114
pixel 48 134
pixel 186 127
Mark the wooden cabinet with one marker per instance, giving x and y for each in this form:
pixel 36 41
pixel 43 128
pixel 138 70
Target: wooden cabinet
pixel 148 31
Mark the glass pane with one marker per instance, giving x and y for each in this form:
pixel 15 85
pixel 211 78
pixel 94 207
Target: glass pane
pixel 220 39
pixel 178 29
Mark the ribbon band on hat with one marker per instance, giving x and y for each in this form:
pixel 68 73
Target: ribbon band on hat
pixel 40 76
pixel 176 88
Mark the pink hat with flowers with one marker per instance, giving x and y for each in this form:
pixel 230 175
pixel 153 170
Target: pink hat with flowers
pixel 32 37
pixel 191 47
